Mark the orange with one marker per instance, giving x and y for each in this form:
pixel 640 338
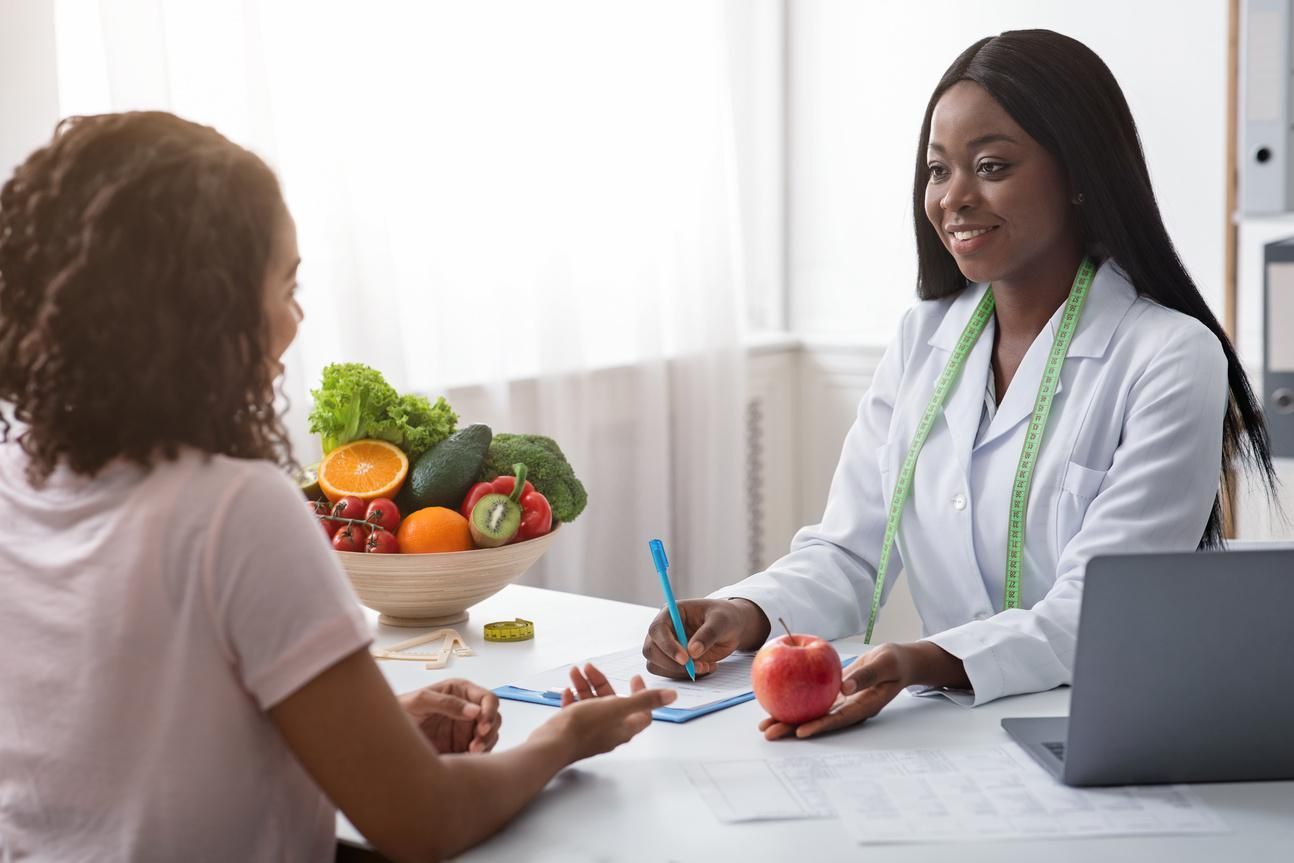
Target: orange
pixel 367 469
pixel 432 530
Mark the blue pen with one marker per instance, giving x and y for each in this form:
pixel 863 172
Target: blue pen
pixel 662 565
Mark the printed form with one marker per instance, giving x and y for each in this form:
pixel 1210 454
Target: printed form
pixel 942 795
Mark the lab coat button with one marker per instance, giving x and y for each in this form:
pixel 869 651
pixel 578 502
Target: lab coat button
pixel 959 501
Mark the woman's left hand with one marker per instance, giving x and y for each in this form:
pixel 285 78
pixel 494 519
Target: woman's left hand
pixel 455 715
pixel 871 682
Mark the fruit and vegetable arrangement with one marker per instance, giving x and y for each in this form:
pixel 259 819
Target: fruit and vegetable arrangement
pixel 399 476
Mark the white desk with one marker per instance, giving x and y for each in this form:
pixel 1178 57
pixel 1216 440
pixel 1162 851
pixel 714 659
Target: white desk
pixel 634 804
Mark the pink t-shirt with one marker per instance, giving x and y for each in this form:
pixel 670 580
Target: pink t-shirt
pixel 148 620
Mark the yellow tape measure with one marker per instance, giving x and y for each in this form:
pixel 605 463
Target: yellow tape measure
pixel 510 630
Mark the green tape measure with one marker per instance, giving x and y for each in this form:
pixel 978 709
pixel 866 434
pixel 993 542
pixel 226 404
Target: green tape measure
pixel 510 630
pixel 1028 454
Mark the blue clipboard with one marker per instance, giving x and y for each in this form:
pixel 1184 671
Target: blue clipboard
pixel 664 714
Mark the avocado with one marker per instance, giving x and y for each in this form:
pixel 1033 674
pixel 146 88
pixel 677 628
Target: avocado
pixel 443 474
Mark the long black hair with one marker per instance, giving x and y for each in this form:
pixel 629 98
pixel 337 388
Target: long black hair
pixel 1066 98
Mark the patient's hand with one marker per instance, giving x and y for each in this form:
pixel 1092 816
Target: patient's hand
pixel 455 715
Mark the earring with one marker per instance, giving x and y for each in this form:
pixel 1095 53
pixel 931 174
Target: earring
pixel 1078 199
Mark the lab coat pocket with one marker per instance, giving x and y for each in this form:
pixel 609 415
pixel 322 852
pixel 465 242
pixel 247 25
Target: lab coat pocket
pixel 1079 485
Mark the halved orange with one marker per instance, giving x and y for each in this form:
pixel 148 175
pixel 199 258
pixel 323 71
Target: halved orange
pixel 367 469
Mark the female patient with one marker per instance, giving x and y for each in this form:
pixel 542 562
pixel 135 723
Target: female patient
pixel 189 675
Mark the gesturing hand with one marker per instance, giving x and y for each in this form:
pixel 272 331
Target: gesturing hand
pixel 455 715
pixel 594 719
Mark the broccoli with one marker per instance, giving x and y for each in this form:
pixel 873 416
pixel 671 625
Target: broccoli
pixel 549 471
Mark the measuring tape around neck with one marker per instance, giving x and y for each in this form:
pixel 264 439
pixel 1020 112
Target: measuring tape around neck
pixel 1028 454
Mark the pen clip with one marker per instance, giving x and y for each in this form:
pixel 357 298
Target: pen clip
pixel 658 555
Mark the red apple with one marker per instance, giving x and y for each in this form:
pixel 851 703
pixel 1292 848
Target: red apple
pixel 796 677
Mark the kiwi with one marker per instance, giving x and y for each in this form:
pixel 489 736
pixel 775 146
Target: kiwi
pixel 308 479
pixel 495 520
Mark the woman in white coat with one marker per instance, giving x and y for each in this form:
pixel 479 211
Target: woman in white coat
pixel 1060 349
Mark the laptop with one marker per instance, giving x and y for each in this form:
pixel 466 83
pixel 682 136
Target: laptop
pixel 1184 672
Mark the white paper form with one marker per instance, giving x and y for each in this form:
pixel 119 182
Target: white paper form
pixel 730 678
pixel 759 790
pixel 954 795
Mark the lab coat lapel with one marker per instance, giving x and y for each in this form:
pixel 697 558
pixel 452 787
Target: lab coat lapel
pixel 966 402
pixel 1108 301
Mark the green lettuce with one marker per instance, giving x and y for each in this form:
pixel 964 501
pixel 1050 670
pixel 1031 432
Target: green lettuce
pixel 356 402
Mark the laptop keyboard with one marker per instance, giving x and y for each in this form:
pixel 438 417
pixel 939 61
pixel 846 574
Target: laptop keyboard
pixel 1057 749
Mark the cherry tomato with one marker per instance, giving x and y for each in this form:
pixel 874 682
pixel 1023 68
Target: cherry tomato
pixel 382 542
pixel 349 507
pixel 384 514
pixel 329 526
pixel 350 537
pixel 319 507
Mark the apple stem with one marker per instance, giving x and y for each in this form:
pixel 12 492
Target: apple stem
pixel 789 637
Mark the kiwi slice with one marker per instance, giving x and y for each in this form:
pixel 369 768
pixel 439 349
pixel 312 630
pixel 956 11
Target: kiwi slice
pixel 497 517
pixel 495 520
pixel 308 479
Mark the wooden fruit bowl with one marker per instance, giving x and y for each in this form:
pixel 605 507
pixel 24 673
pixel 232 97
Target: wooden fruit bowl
pixel 425 590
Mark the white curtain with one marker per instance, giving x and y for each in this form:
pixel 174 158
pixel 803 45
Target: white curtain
pixel 532 208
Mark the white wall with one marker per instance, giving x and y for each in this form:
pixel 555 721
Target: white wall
pixel 28 80
pixel 860 74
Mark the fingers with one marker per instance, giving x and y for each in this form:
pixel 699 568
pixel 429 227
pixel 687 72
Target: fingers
pixel 871 669
pixel 461 734
pixel 647 700
pixel 851 711
pixel 661 646
pixel 580 684
pixel 592 683
pixel 487 725
pixel 774 730
pixel 662 664
pixel 489 715
pixel 712 630
pixel 601 686
pixel 484 738
pixel 428 701
pixel 679 672
pixel 486 743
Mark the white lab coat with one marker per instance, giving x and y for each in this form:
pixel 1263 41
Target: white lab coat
pixel 1129 462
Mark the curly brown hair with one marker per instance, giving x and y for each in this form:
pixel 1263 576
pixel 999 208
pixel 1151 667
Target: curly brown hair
pixel 133 256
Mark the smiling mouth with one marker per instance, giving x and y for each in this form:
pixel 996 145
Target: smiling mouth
pixel 970 235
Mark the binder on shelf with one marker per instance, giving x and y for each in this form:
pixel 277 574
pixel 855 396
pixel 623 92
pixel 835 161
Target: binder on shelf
pixel 1266 145
pixel 1278 345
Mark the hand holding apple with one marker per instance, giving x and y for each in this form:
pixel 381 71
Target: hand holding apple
pixel 796 677
pixel 872 681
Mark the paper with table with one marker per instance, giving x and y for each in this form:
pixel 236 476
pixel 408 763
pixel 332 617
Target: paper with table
pixel 729 684
pixel 942 795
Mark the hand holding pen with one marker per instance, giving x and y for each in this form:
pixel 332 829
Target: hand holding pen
pixel 714 629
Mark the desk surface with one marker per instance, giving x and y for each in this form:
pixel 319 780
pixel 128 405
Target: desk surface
pixel 634 804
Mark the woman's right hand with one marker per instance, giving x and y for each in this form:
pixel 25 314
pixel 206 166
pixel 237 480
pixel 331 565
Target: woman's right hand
pixel 594 719
pixel 715 628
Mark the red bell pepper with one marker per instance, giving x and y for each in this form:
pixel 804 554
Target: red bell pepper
pixel 536 514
